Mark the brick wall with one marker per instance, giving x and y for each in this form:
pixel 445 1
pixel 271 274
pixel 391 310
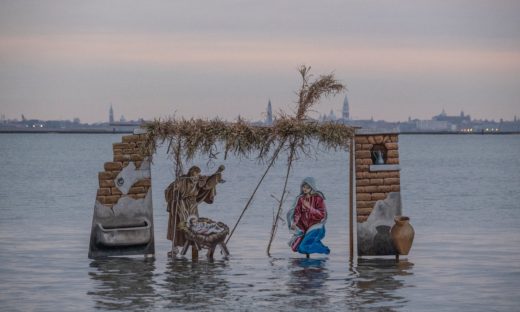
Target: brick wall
pixel 130 149
pixel 372 186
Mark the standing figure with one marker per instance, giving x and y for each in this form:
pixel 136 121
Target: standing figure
pixel 183 196
pixel 306 220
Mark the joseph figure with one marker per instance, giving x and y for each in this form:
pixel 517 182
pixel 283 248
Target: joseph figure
pixel 183 196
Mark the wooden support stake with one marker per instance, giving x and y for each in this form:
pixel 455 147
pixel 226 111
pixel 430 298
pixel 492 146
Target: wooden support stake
pixel 273 159
pixel 351 200
pixel 275 224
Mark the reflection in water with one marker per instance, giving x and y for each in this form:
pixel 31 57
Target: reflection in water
pixel 377 282
pixel 123 283
pixel 306 284
pixel 195 285
pixel 133 284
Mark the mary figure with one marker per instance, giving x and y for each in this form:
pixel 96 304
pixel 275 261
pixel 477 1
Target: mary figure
pixel 306 220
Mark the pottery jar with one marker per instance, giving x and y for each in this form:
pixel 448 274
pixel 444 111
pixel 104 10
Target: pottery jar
pixel 402 234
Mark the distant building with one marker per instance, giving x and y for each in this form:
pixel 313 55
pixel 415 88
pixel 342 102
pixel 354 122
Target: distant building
pixel 345 113
pixel 432 125
pixel 454 122
pixel 111 115
pixel 269 118
pixel 510 126
pixel 125 125
pixel 332 116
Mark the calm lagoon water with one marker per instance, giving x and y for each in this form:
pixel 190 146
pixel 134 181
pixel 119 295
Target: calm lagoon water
pixel 462 194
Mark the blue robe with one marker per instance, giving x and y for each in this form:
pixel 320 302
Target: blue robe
pixel 308 242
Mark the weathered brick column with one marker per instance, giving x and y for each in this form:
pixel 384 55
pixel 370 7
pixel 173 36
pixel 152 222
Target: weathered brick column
pixel 123 215
pixel 378 197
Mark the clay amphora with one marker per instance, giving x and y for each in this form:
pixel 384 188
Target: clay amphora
pixel 402 234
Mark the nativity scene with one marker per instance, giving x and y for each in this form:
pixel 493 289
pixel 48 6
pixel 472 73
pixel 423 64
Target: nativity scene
pixel 118 230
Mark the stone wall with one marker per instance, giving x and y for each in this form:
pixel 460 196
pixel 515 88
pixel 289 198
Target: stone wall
pixel 378 188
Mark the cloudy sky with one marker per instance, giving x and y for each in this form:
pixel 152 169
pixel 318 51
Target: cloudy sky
pixel 66 59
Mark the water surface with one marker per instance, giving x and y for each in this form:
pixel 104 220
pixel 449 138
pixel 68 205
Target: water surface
pixel 461 193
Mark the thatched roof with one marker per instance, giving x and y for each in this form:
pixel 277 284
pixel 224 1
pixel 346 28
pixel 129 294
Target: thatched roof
pixel 242 139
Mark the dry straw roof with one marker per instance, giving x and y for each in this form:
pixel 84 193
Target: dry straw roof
pixel 242 139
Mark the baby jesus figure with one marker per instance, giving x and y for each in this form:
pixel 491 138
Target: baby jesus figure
pixel 202 228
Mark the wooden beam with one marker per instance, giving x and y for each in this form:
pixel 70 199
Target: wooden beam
pixel 351 199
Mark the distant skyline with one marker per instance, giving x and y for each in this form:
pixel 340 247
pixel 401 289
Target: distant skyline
pixel 338 114
pixel 66 59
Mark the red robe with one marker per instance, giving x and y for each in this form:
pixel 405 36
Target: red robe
pixel 315 213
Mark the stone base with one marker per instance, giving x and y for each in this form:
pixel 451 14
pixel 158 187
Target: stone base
pixel 125 229
pixel 373 235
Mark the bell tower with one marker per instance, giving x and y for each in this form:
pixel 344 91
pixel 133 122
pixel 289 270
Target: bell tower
pixel 345 113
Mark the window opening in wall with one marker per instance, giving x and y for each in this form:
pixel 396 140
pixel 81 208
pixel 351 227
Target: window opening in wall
pixel 379 154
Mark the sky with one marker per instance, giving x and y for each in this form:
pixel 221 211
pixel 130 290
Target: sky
pixel 158 59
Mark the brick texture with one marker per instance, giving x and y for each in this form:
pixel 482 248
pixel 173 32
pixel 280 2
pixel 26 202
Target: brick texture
pixel 372 186
pixel 124 152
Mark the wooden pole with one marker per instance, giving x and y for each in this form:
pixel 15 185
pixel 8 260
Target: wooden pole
pixel 273 159
pixel 178 172
pixel 351 199
pixel 275 224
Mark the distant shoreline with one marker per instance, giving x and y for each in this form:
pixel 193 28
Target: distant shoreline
pixel 68 131
pixel 112 131
pixel 462 133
